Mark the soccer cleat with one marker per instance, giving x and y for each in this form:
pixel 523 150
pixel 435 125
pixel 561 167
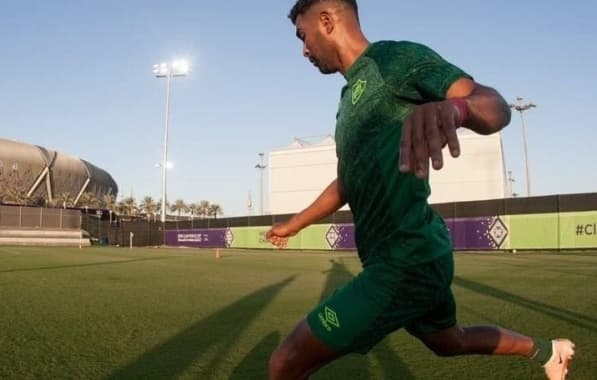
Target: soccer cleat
pixel 557 366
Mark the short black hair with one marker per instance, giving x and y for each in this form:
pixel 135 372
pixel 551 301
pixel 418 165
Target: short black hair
pixel 302 6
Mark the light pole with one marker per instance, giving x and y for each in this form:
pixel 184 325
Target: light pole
pixel 521 106
pixel 510 183
pixel 250 204
pixel 505 183
pixel 261 166
pixel 168 70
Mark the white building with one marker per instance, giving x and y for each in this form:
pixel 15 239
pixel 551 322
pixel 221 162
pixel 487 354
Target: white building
pixel 478 174
pixel 301 171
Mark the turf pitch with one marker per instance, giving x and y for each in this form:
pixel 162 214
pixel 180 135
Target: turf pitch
pixel 117 313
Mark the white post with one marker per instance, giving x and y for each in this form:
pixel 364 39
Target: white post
pixel 80 232
pixel 526 155
pixel 165 151
pixel 261 166
pixel 131 240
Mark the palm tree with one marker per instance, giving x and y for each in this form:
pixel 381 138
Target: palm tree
pixel 148 206
pixel 17 193
pixel 179 207
pixel 130 206
pixel 203 210
pixel 158 208
pixel 64 200
pixel 108 202
pixel 3 186
pixel 120 208
pixel 215 210
pixel 193 209
pixel 88 199
pixel 15 189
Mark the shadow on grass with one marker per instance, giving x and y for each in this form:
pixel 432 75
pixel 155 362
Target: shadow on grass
pixel 115 262
pixel 254 365
pixel 571 317
pixel 355 364
pixel 209 341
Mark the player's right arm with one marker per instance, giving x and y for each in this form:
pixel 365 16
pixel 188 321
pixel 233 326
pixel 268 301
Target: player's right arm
pixel 330 201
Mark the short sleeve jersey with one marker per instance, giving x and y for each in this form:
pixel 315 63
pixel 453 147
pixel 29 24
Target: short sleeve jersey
pixel 392 218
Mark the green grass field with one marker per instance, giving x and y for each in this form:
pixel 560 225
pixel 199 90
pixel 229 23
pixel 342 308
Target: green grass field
pixel 108 313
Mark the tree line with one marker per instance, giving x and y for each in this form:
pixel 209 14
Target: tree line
pixel 13 190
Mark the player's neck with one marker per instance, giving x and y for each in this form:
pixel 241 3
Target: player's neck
pixel 351 48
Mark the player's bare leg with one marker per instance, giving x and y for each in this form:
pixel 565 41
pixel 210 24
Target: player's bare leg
pixel 487 340
pixel 493 340
pixel 300 355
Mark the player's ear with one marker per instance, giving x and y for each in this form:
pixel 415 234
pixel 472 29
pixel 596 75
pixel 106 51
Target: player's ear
pixel 327 21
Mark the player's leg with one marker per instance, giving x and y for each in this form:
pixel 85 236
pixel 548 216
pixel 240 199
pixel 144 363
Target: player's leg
pixel 300 355
pixel 484 340
pixel 494 340
pixel 351 320
pixel 438 330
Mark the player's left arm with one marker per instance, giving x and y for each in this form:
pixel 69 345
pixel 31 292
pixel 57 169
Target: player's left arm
pixel 487 110
pixel 430 126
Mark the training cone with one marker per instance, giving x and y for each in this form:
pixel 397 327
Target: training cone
pixel 218 253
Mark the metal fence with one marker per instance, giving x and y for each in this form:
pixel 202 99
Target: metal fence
pixel 36 217
pixel 118 230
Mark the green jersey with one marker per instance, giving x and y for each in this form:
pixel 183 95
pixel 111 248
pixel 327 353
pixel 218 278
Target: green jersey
pixel 392 218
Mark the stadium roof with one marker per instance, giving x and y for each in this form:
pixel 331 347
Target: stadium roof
pixel 45 173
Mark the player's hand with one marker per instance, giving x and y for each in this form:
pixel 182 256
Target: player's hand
pixel 424 133
pixel 279 234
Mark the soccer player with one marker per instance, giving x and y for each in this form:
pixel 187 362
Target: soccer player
pixel 401 105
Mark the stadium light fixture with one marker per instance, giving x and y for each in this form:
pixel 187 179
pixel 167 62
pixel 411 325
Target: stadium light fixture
pixel 261 167
pixel 168 70
pixel 521 106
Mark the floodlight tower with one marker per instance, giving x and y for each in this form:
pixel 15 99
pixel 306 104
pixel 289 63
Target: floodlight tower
pixel 261 166
pixel 521 106
pixel 168 70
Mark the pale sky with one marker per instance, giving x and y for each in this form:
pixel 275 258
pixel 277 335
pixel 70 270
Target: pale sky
pixel 77 78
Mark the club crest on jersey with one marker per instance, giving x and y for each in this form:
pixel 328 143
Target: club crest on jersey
pixel 358 89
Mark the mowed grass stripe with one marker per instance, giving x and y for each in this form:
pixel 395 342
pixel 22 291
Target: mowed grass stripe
pixel 118 313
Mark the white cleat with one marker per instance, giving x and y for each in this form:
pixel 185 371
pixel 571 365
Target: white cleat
pixel 557 367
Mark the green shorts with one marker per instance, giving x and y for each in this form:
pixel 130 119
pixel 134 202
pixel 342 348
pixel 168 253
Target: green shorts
pixel 384 298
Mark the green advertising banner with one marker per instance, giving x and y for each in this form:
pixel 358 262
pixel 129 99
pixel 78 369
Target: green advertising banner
pixel 533 231
pixel 578 230
pixel 570 230
pixel 312 237
pixel 249 237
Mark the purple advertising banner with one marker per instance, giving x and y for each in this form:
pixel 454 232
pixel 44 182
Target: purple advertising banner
pixel 485 233
pixel 346 238
pixel 204 238
pixel 466 234
pixel 471 233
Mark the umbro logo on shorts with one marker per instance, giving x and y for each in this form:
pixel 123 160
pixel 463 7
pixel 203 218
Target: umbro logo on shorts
pixel 329 318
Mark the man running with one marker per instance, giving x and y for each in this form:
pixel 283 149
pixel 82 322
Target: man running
pixel 401 105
